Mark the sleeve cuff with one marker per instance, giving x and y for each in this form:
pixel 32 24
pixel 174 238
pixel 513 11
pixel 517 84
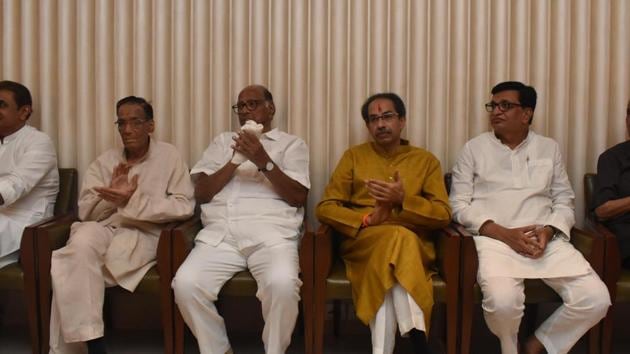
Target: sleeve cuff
pixel 7 192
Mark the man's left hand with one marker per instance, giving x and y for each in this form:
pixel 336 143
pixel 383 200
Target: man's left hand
pixel 249 145
pixel 387 192
pixel 542 237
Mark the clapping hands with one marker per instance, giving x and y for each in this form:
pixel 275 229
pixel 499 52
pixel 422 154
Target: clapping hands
pixel 120 188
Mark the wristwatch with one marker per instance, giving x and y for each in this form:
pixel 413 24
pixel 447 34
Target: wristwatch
pixel 268 167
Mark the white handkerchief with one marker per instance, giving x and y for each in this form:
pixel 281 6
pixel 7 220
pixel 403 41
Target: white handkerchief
pixel 250 126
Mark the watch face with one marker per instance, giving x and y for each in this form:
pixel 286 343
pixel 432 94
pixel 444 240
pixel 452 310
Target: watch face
pixel 269 166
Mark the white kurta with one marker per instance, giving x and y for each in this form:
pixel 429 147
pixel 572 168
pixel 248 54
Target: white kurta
pixel 514 188
pixel 247 225
pixel 29 183
pixel 164 194
pixel 248 207
pixel 114 245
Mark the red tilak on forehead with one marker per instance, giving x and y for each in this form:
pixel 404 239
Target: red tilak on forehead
pixel 379 109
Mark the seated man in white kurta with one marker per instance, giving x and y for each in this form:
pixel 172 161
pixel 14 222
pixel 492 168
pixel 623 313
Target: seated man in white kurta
pixel 29 179
pixel 511 190
pixel 252 186
pixel 128 194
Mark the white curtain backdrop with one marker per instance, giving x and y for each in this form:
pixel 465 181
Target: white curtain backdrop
pixel 320 59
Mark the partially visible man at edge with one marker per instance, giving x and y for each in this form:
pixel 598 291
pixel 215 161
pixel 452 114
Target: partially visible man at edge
pixel 612 196
pixel 128 194
pixel 29 179
pixel 383 197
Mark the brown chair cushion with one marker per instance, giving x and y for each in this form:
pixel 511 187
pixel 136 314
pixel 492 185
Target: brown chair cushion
pixel 12 277
pixel 150 283
pixel 241 284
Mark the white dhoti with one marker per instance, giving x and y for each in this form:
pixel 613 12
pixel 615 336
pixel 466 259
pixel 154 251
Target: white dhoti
pixel 79 279
pixel 585 302
pixel 200 279
pixel 398 308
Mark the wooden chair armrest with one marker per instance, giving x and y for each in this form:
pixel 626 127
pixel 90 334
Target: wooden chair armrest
pixel 612 256
pixel 306 252
pixel 591 245
pixel 323 251
pixel 164 254
pixel 469 260
pixel 447 250
pixel 183 240
pixel 29 236
pixel 54 234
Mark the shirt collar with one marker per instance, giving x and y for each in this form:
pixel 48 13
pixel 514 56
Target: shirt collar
pixel 9 138
pixel 525 142
pixel 404 147
pixel 273 134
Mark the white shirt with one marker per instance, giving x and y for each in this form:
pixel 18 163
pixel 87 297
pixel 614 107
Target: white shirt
pixel 29 183
pixel 248 209
pixel 516 187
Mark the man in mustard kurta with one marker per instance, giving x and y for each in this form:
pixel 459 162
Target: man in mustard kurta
pixel 383 197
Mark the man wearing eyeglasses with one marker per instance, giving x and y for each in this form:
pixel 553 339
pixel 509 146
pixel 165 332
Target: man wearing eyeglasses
pixel 128 194
pixel 379 192
pixel 252 186
pixel 29 179
pixel 510 189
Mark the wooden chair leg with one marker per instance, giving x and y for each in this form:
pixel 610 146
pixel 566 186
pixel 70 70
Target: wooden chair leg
pixel 45 302
pixel 32 309
pixel 594 339
pixel 307 313
pixel 307 321
pixel 166 310
pixel 607 331
pixel 466 320
pixel 179 329
pixel 319 317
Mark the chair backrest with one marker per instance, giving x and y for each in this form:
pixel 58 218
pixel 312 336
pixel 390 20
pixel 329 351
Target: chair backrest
pixel 68 191
pixel 448 179
pixel 590 180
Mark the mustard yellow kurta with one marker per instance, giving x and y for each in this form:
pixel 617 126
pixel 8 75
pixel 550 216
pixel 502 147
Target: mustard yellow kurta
pixel 400 250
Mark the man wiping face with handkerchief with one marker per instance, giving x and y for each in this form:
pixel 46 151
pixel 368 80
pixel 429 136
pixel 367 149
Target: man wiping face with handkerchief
pixel 252 185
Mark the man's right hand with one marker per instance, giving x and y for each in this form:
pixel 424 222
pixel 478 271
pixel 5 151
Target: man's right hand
pixel 521 239
pixel 380 213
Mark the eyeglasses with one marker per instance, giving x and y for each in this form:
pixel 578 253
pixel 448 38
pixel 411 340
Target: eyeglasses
pixel 133 123
pixel 251 105
pixel 386 117
pixel 504 106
